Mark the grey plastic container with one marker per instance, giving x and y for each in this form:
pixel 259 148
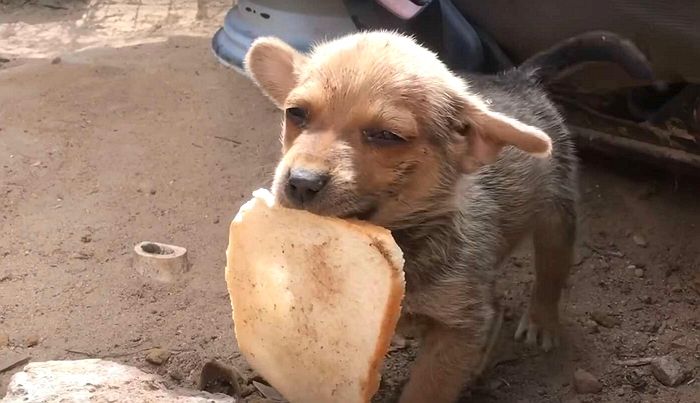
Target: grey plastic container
pixel 300 23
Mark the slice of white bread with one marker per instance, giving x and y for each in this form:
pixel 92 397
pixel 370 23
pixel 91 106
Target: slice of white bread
pixel 315 300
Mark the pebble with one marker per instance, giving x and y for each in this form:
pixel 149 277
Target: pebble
pixel 158 356
pixel 495 384
pixel 696 282
pixel 176 374
pixel 637 379
pixel 639 240
pixel 87 238
pixel 592 326
pixel 585 382
pixel 268 391
pixel 31 341
pixel 4 340
pixel 668 370
pixel 605 320
pixel 639 272
pixel 56 60
pixel 247 390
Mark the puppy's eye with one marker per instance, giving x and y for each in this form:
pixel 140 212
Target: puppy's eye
pixel 297 115
pixel 382 137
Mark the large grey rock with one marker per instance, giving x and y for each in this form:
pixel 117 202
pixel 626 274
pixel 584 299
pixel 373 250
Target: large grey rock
pixel 96 381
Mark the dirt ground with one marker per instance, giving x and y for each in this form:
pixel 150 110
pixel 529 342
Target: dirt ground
pixel 137 133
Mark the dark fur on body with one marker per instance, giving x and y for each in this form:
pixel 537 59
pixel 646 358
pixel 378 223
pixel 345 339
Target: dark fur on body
pixel 475 174
pixel 496 205
pixel 451 259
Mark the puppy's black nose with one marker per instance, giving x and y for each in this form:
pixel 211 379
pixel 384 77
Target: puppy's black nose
pixel 303 184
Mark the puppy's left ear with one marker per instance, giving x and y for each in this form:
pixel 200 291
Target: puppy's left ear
pixel 274 66
pixel 488 132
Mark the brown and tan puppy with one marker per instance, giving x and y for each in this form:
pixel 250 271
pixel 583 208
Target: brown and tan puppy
pixel 459 168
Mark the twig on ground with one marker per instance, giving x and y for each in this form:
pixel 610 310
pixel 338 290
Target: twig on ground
pixel 236 142
pixel 635 362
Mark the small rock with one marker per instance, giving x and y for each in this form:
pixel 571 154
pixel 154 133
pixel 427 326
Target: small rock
pixel 219 377
pixel 605 320
pixel 4 340
pixel 653 326
pixel 247 390
pixel 668 370
pixel 216 220
pixel 602 264
pixel 152 191
pixel 675 284
pixel 639 240
pixel 56 60
pixel 176 374
pixel 585 382
pixel 592 326
pixel 158 356
pixel 680 342
pixel 639 272
pixel 31 341
pixel 87 238
pixel 636 379
pixel 646 299
pixel 268 391
pixel 696 282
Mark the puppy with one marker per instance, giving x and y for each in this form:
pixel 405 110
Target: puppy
pixel 458 168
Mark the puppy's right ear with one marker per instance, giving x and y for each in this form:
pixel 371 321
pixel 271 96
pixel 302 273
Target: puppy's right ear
pixel 274 66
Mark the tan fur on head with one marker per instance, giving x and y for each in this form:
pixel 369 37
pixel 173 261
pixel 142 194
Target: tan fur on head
pixel 381 82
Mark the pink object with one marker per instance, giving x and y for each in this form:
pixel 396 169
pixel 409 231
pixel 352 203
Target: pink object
pixel 404 9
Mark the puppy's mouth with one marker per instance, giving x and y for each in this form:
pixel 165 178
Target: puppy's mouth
pixel 362 215
pixel 364 212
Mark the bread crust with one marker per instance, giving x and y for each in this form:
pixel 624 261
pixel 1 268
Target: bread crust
pixel 379 239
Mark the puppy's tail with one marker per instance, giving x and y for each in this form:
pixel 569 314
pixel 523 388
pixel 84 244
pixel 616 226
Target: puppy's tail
pixel 594 46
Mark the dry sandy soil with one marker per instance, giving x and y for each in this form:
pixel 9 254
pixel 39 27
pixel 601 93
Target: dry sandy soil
pixel 137 133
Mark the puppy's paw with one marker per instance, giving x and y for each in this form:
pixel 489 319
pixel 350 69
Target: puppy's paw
pixel 536 330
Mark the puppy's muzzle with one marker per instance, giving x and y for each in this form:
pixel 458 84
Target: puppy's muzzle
pixel 303 185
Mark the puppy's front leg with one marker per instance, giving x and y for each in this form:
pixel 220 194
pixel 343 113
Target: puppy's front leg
pixel 449 358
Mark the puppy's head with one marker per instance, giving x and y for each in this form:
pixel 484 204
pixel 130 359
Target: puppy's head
pixel 377 128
